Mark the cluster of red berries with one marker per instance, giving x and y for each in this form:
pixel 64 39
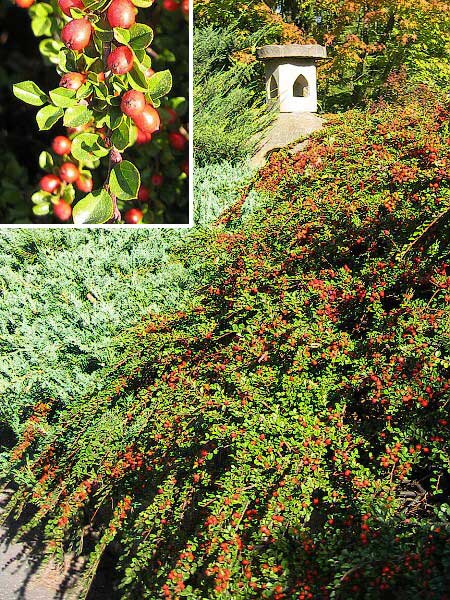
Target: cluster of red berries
pixel 173 6
pixel 68 173
pixel 145 117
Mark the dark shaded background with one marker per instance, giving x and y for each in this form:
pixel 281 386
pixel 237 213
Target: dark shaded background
pixel 20 140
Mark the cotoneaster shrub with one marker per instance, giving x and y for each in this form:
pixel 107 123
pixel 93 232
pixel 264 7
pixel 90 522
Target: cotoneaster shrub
pixel 115 90
pixel 287 435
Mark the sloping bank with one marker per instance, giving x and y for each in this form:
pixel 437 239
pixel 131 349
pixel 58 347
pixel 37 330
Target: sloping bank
pixel 286 436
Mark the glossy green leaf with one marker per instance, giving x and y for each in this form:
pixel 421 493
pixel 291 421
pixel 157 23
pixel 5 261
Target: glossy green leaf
pixel 29 92
pixel 76 116
pixel 48 116
pixel 88 146
pixel 160 84
pixel 94 208
pixel 125 180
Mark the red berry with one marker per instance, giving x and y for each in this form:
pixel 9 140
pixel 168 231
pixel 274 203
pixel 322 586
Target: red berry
pixel 148 120
pixel 149 72
pixel 177 140
pixel 157 179
pixel 84 184
pixel 62 210
pixel 50 183
pixel 120 61
pixel 24 3
pixel 77 34
pixel 143 137
pixel 134 216
pixel 170 5
pixel 133 103
pixel 69 172
pixel 72 81
pixel 121 13
pixel 185 7
pixel 143 195
pixel 66 5
pixel 61 145
pixel 173 115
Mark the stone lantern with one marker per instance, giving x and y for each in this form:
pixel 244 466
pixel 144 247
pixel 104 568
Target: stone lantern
pixel 291 75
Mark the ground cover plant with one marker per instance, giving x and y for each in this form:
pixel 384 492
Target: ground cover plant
pixel 286 434
pixel 115 90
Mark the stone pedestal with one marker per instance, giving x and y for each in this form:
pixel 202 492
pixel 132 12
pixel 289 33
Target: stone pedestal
pixel 291 75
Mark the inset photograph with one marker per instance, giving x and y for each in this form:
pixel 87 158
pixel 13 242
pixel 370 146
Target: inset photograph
pixel 95 113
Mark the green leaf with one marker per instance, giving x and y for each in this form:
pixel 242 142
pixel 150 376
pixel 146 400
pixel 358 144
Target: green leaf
pixel 95 5
pixel 122 35
pixel 40 9
pixel 84 91
pixel 29 92
pixel 41 209
pixel 69 194
pixel 143 3
pixel 48 116
pixel 141 36
pixel 63 97
pixel 125 180
pixel 87 147
pixel 122 137
pixel 40 197
pixel 75 116
pixel 137 80
pixel 50 49
pixel 94 208
pixel 46 161
pixel 41 26
pixel 160 84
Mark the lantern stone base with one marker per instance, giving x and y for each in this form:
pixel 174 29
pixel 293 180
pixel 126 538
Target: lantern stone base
pixel 287 129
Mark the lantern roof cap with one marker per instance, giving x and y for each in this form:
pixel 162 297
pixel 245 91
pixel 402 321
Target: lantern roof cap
pixel 292 51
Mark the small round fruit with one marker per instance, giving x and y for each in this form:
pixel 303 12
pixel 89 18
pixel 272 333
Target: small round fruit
pixel 133 103
pixel 148 120
pixel 61 145
pixel 121 13
pixel 143 194
pixel 72 81
pixel 172 115
pixel 157 179
pixel 66 5
pixel 62 210
pixel 84 184
pixel 149 73
pixel 171 5
pixel 177 140
pixel 120 61
pixel 143 137
pixel 134 216
pixel 24 3
pixel 77 34
pixel 69 172
pixel 185 7
pixel 50 183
